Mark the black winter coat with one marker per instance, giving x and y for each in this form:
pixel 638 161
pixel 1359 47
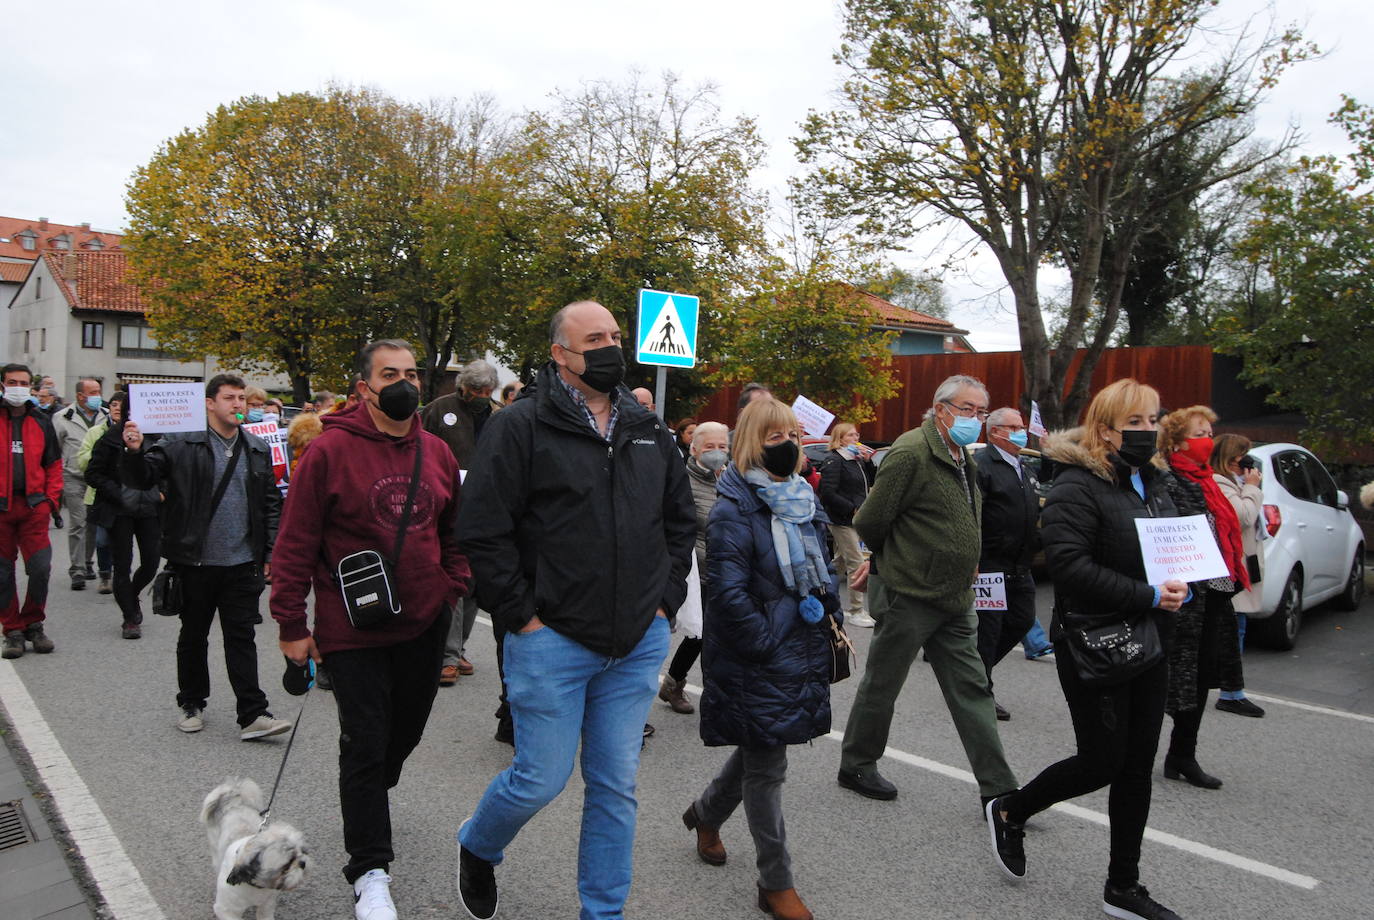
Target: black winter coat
pixel 184 462
pixel 112 497
pixel 1091 545
pixel 844 486
pixel 1011 508
pixel 592 537
pixel 766 671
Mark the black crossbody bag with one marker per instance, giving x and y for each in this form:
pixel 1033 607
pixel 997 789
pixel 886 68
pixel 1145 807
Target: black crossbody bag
pixel 367 578
pixel 169 594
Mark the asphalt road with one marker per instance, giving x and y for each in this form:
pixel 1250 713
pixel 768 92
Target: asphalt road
pixel 1281 839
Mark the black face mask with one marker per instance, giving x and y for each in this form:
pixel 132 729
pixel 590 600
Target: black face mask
pixel 1137 447
pixel 399 400
pixel 781 459
pixel 605 367
pixel 478 404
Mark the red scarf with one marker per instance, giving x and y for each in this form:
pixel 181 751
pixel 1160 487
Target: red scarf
pixel 1228 524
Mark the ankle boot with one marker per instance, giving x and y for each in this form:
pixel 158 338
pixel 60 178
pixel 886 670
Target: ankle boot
pixel 709 846
pixel 671 692
pixel 1178 768
pixel 784 904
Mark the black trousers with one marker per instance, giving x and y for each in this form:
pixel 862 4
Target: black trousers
pixel 384 696
pixel 999 631
pixel 687 654
pixel 233 591
pixel 1117 729
pixel 125 530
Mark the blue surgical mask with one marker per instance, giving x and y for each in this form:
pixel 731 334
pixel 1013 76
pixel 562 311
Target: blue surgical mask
pixel 852 449
pixel 1018 438
pixel 254 415
pixel 94 402
pixel 965 431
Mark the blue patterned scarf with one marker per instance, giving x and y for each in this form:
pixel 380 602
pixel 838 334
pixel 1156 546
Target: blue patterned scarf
pixel 793 503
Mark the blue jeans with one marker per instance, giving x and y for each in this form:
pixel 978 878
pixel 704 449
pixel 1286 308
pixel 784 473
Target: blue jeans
pixel 1036 643
pixel 561 694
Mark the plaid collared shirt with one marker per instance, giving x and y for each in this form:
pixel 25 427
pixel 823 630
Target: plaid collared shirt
pixel 581 402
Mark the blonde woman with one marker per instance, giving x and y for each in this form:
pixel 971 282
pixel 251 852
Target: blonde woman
pixel 844 486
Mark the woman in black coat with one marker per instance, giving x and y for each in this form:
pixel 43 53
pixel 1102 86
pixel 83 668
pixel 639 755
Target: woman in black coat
pixel 1106 482
pixel 765 658
pixel 844 486
pixel 127 515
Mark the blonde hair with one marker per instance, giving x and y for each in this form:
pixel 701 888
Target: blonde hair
pixel 1111 407
pixel 759 418
pixel 1173 428
pixel 255 393
pixel 839 431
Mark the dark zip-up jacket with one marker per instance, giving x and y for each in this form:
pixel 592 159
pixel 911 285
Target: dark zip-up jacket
pixel 593 537
pixel 1091 546
pixel 112 497
pixel 187 466
pixel 844 486
pixel 1011 508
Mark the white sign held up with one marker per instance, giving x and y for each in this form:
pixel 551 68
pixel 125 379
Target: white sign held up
pixel 814 420
pixel 990 592
pixel 1179 548
pixel 164 408
pixel 1036 426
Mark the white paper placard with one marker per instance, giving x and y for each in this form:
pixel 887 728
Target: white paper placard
pixel 1179 548
pixel 990 592
pixel 164 408
pixel 275 436
pixel 1036 426
pixel 814 420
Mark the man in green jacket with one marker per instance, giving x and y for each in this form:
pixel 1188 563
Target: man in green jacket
pixel 921 520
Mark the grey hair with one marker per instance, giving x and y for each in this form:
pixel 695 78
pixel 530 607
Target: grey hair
pixel 477 375
pixel 706 429
pixel 950 388
pixel 998 417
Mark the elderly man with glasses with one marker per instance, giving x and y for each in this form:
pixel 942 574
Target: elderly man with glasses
pixel 922 521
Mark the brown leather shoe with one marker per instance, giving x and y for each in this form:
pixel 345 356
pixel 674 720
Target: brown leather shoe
pixel 671 692
pixel 448 675
pixel 709 846
pixel 784 904
pixel 465 667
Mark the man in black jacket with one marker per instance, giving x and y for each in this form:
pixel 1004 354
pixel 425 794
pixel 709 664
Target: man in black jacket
pixel 222 549
pixel 1011 509
pixel 579 525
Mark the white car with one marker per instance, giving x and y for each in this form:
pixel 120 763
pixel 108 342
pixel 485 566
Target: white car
pixel 1315 550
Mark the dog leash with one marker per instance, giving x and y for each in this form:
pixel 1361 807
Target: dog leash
pixel 266 813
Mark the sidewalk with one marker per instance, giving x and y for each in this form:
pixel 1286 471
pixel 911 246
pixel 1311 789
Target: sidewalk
pixel 36 882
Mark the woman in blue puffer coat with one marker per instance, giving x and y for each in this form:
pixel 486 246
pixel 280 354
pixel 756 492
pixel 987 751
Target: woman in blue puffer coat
pixel 765 656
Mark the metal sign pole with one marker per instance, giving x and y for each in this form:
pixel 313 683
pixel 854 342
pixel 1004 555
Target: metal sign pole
pixel 661 389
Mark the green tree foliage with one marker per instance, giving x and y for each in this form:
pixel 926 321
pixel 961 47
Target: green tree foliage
pixel 1313 347
pixel 1008 117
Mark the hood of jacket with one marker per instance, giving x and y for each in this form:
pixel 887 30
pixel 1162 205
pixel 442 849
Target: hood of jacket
pixel 358 421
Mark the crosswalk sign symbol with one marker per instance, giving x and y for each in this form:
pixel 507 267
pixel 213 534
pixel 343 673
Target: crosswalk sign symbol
pixel 667 329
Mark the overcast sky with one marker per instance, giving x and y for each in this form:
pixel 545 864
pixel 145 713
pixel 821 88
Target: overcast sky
pixel 96 88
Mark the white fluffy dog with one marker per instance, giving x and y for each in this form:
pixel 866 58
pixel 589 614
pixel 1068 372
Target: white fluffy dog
pixel 255 866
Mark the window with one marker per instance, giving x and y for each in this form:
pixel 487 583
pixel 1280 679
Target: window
pixel 26 341
pixel 28 239
pixel 1289 466
pixel 43 339
pixel 1323 486
pixel 92 335
pixel 95 243
pixel 62 242
pixel 137 342
pixel 38 288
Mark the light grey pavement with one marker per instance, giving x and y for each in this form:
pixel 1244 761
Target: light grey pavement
pixel 1283 838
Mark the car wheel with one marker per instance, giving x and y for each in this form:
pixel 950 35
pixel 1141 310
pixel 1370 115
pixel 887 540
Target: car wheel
pixel 1280 631
pixel 1350 598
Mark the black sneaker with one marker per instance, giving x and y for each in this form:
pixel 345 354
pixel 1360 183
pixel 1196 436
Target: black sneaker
pixel 1008 839
pixel 1134 903
pixel 1241 707
pixel 476 885
pixel 871 784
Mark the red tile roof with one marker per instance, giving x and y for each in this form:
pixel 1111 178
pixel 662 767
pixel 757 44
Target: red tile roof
pixel 903 318
pixel 15 271
pixel 45 234
pixel 100 281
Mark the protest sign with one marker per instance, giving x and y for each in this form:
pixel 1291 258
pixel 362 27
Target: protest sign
pixel 1036 426
pixel 1180 548
pixel 814 420
pixel 275 437
pixel 990 591
pixel 164 408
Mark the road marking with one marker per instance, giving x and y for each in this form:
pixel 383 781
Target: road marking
pixel 1225 857
pixel 113 872
pixel 1308 707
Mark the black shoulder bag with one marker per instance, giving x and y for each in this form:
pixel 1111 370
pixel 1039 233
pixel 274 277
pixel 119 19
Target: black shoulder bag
pixel 367 578
pixel 169 596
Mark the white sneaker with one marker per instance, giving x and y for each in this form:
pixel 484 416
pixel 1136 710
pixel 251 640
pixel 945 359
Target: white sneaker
pixel 263 727
pixel 191 720
pixel 372 896
pixel 860 619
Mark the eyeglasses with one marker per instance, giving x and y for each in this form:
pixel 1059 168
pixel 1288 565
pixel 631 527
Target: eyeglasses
pixel 968 411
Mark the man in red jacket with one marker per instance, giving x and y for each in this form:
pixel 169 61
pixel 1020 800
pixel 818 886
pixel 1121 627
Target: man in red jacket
pixel 348 494
pixel 30 493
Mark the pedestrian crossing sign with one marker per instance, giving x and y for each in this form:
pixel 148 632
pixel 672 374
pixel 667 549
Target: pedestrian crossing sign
pixel 667 330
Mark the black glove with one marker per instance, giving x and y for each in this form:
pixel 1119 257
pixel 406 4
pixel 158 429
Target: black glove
pixel 57 520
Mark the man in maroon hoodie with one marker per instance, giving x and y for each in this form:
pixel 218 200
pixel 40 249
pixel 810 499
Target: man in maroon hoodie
pixel 28 500
pixel 349 494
